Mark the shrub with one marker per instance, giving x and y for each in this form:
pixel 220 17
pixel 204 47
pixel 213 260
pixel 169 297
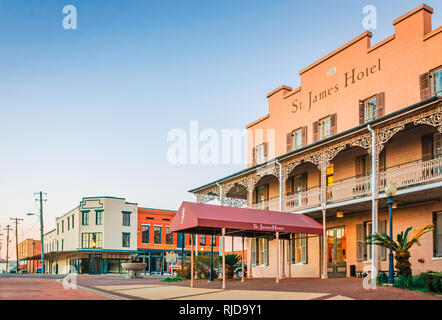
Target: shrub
pixel 382 278
pixel 405 282
pixel 170 279
pixel 432 281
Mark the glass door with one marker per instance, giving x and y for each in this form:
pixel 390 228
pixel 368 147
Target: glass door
pixel 336 253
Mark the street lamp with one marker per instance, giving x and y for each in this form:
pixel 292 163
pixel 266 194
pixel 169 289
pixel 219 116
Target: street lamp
pixel 390 192
pixel 41 241
pixel 94 244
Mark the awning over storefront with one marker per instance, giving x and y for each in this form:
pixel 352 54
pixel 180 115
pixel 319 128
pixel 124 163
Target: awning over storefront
pixel 197 218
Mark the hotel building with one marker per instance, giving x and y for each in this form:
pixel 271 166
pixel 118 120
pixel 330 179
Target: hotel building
pixel 312 154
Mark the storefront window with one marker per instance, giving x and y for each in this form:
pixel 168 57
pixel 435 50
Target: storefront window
pixel 299 249
pixel 437 233
pixel 202 240
pixel 260 252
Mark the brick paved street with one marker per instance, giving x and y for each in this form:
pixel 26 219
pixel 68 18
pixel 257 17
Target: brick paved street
pixel 16 288
pixel 114 286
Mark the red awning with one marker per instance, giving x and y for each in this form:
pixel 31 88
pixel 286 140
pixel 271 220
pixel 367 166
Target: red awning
pixel 209 219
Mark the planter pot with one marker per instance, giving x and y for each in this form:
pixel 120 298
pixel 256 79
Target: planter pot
pixel 134 269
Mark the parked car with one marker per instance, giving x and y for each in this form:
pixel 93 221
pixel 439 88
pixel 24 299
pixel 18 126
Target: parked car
pixel 238 270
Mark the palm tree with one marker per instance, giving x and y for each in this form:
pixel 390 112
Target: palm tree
pixel 401 246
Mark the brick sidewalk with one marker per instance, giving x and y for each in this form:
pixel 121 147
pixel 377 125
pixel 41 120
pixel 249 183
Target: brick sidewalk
pixel 15 288
pixel 349 287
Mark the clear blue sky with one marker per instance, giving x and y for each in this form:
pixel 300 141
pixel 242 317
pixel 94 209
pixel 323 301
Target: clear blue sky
pixel 86 112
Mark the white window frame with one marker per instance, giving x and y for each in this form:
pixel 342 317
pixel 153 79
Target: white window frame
pixel 260 154
pixel 434 79
pixel 324 123
pixel 368 227
pixel 370 115
pixel 297 135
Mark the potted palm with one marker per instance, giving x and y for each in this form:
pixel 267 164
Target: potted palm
pixel 231 260
pixel 401 246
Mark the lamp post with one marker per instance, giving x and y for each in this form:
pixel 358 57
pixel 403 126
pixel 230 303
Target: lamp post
pixel 390 192
pixel 41 240
pixel 94 244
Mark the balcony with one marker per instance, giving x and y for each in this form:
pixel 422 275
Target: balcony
pixel 407 175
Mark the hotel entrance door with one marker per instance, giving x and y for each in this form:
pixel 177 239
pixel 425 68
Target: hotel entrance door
pixel 336 253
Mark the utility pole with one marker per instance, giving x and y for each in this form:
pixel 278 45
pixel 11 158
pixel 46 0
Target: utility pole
pixel 16 238
pixel 41 230
pixel 8 228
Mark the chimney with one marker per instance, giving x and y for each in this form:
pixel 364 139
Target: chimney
pixel 417 20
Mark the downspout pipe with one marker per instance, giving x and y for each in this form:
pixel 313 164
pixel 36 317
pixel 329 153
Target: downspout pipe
pixel 373 201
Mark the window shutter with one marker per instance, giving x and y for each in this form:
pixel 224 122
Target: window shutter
pixel 266 252
pixel 359 167
pixel 304 136
pixel 289 186
pixel 315 131
pixel 267 187
pixel 427 147
pixel 289 141
pixel 253 240
pixel 253 156
pixel 333 129
pixel 304 182
pixel 361 111
pixel 383 229
pixel 380 105
pixel 424 84
pixel 304 249
pixel 437 250
pixel 382 161
pixel 266 151
pixel 360 243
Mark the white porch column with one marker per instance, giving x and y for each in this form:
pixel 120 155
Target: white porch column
pixel 324 246
pixel 277 256
pixel 224 258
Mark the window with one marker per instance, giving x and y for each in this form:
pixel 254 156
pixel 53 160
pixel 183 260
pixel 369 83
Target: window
pixel 157 235
pixel 88 238
pixel 169 239
pixel 69 223
pixel 363 250
pixel 73 221
pixel 145 230
pixel 260 157
pixel 437 234
pixel 126 218
pixel 437 149
pixel 260 252
pixel 126 239
pixel 213 240
pixel 202 240
pixel 62 244
pixel 324 128
pixel 437 83
pixel 98 217
pixel 330 172
pixel 262 194
pixel 85 218
pixel 62 226
pixel 58 229
pixel 299 249
pixel 297 139
pixel 370 109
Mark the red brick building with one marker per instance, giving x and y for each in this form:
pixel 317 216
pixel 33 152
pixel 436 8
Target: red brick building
pixel 154 240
